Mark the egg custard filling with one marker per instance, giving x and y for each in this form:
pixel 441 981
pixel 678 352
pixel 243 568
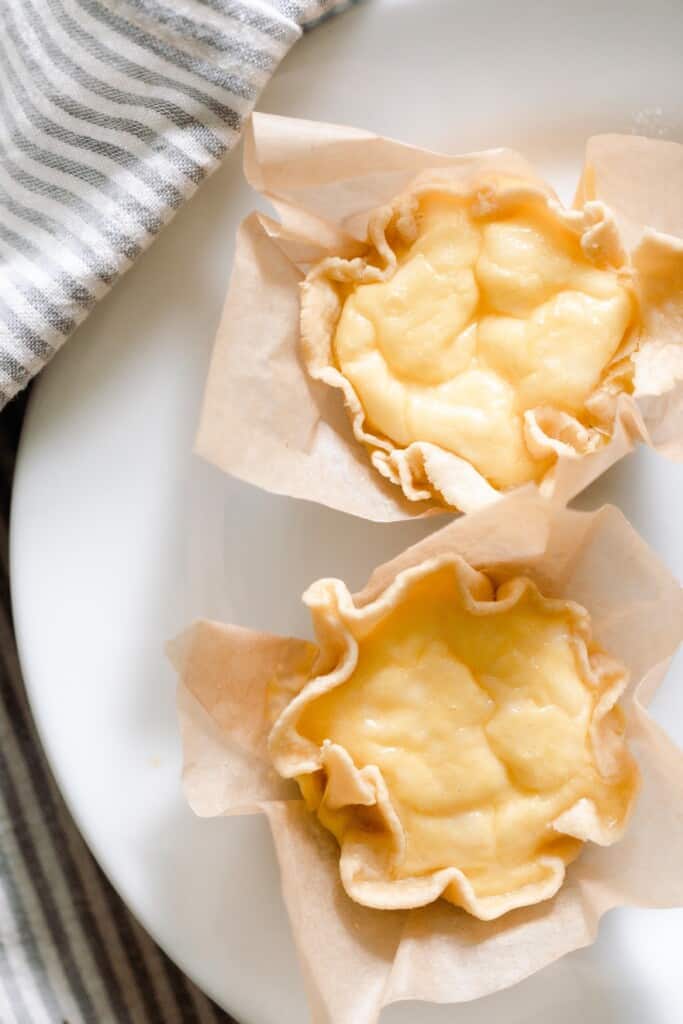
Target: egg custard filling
pixel 464 740
pixel 484 311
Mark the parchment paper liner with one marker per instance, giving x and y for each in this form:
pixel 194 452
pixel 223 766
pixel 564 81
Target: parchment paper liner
pixel 266 421
pixel 356 960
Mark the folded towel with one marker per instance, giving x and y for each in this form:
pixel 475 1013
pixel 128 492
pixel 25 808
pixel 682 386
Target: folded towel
pixel 112 112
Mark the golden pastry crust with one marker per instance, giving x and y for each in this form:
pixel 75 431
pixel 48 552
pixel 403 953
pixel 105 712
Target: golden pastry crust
pixel 488 373
pixel 460 738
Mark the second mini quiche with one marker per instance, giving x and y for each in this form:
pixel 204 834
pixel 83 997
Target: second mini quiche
pixel 460 739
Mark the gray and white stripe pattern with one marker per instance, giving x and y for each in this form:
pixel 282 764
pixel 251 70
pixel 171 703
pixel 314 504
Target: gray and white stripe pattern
pixel 112 112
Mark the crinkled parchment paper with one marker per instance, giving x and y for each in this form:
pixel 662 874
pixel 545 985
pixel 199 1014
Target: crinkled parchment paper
pixel 266 421
pixel 356 960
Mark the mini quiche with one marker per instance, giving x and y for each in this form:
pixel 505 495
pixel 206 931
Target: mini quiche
pixel 460 737
pixel 484 324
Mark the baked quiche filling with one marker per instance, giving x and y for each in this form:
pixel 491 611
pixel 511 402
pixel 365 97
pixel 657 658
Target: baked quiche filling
pixel 490 312
pixel 476 739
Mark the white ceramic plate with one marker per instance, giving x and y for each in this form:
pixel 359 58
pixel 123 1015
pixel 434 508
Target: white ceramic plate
pixel 119 535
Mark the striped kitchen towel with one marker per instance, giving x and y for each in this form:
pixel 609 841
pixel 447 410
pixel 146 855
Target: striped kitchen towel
pixel 112 112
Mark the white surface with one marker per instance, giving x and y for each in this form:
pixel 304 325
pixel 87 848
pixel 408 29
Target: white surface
pixel 119 536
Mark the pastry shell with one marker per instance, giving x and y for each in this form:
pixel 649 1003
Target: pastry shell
pixel 366 858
